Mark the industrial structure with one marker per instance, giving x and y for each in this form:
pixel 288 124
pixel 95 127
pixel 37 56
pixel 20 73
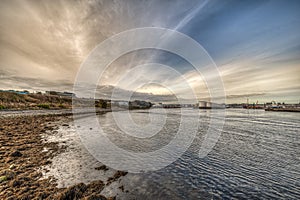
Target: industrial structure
pixel 209 105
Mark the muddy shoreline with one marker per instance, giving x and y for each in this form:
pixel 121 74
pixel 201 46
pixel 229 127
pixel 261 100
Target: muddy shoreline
pixel 22 157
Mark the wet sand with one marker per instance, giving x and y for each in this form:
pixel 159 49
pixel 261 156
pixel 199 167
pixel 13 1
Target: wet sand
pixel 23 158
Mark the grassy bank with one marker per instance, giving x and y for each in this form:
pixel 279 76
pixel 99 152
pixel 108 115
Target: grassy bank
pixel 9 100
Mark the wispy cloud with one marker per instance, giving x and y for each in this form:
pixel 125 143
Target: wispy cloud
pixel 256 44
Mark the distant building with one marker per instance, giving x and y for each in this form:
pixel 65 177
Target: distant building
pixel 173 105
pixel 210 105
pixel 137 104
pixel 273 104
pixel 16 91
pixel 187 105
pixel 65 94
pixel 122 104
pixel 234 105
pixel 51 92
pixel 159 105
pixel 203 105
pixel 22 92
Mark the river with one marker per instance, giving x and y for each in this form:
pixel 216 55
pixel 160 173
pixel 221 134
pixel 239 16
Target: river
pixel 255 157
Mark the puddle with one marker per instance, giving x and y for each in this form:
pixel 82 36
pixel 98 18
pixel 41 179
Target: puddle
pixel 75 165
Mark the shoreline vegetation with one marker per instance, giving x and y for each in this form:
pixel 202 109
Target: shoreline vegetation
pixel 22 157
pixel 14 101
pixel 38 101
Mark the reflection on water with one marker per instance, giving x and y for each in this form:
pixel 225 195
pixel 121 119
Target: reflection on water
pixel 257 156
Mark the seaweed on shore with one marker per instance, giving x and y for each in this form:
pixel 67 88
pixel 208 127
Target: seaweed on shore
pixel 22 155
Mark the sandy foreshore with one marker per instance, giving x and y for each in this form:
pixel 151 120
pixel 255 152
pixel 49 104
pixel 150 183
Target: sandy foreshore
pixel 23 156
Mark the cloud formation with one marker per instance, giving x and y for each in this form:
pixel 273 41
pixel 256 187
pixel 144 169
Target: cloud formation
pixel 256 44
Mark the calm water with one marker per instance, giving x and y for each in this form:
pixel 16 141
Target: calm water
pixel 257 156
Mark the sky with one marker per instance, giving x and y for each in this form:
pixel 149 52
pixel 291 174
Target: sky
pixel 254 44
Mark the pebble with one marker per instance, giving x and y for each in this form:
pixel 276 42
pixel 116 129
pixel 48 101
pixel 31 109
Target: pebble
pixel 16 154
